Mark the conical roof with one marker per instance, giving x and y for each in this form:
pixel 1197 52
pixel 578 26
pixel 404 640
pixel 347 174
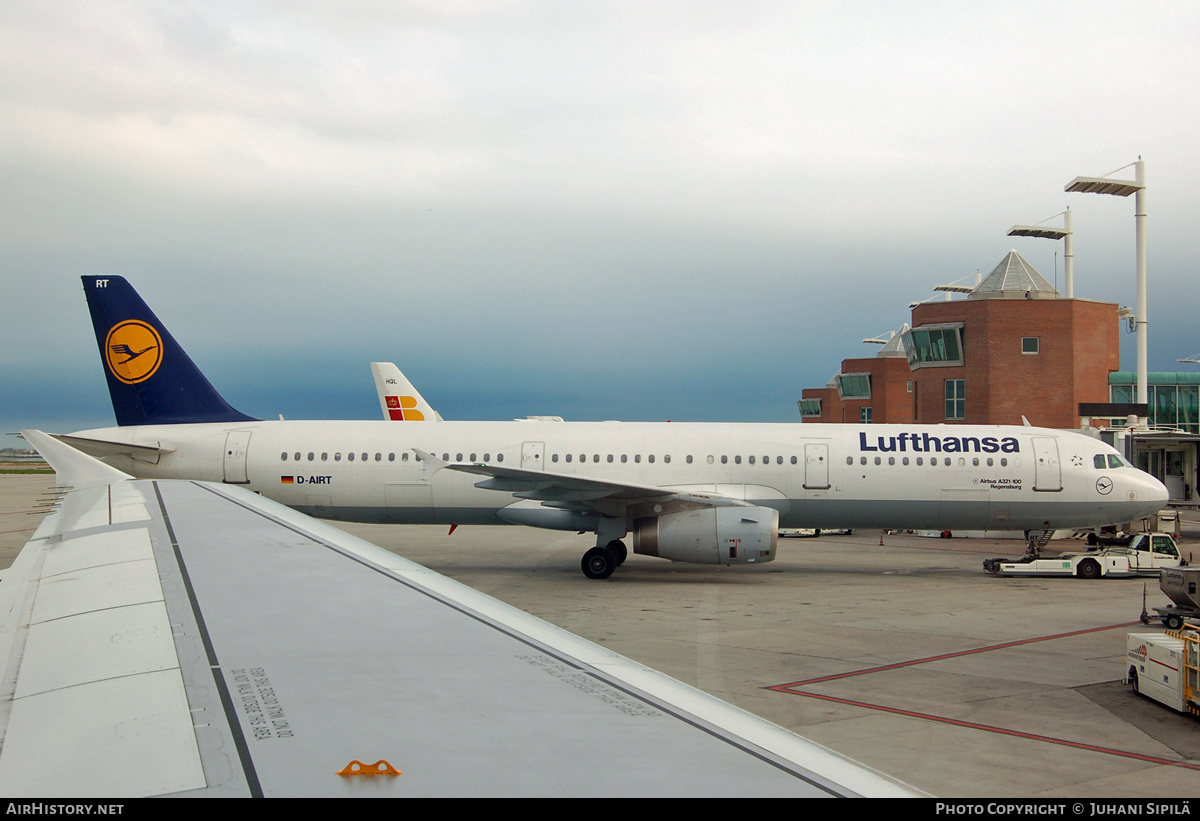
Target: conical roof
pixel 895 345
pixel 1014 278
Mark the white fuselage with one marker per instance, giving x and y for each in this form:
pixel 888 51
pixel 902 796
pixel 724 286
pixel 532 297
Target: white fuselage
pixel 856 476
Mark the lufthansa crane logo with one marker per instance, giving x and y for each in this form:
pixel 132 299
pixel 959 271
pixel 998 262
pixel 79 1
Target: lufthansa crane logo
pixel 133 351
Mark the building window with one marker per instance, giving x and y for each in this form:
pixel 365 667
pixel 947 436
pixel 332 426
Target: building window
pixel 910 386
pixel 864 416
pixel 956 399
pixel 1031 345
pixel 854 385
pixel 810 407
pixel 933 346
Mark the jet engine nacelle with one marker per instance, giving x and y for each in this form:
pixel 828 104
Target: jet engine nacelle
pixel 714 535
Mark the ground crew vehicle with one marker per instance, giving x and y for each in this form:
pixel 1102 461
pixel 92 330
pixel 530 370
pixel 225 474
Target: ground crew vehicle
pixel 1163 666
pixel 1180 585
pixel 1145 555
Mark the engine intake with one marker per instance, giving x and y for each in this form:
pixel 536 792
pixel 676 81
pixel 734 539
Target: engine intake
pixel 713 535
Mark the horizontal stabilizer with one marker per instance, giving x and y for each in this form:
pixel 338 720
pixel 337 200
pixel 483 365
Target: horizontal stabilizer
pixel 100 448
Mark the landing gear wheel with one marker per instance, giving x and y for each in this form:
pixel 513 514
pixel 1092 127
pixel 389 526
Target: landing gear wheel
pixel 598 563
pixel 1089 569
pixel 1173 622
pixel 619 551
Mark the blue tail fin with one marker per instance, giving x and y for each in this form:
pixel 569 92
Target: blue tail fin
pixel 150 378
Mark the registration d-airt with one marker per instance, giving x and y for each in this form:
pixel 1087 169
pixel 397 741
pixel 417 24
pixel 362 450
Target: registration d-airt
pixel 713 493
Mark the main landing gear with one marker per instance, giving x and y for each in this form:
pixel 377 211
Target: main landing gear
pixel 600 562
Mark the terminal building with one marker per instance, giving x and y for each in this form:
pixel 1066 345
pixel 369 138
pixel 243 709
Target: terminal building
pixel 1013 348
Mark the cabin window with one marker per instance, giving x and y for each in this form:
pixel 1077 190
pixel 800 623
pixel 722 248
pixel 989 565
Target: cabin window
pixel 297 457
pixel 667 459
pixel 689 459
pixel 849 460
pixel 1004 463
pixel 595 457
pixel 862 460
pixel 878 461
pixel 337 457
pixel 350 457
pixel 472 457
pixel 793 460
pixel 554 457
pixel 445 457
pixel 391 457
pixel 624 458
pixel 737 460
pixel 378 457
pixel 324 457
pixel 487 457
pixel 404 456
pixel 752 460
pixel 891 460
pixel 724 460
pixel 650 458
pixel 311 456
pixel 637 457
pixel 568 457
pixel 610 458
pixel 904 460
pixel 919 461
pixel 499 457
pixel 975 462
pixel 458 457
pixel 283 456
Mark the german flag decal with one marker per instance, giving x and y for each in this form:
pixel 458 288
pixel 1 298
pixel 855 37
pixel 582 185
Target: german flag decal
pixel 287 480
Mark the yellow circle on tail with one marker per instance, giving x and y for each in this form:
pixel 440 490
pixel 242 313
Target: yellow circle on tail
pixel 133 351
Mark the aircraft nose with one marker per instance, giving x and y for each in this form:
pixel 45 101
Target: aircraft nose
pixel 1156 491
pixel 1147 494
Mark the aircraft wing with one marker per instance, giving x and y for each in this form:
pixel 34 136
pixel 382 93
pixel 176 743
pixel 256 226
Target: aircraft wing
pixel 580 492
pixel 187 638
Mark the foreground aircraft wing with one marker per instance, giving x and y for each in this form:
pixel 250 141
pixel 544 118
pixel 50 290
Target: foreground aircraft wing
pixel 174 637
pixel 398 399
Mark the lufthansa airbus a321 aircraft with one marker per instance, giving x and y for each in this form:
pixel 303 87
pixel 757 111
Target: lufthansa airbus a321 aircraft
pixel 693 492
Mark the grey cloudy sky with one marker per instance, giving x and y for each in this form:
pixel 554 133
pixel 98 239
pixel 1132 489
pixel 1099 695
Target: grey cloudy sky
pixel 601 210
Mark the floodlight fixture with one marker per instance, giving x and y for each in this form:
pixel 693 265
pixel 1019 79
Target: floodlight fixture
pixel 1067 232
pixel 1123 188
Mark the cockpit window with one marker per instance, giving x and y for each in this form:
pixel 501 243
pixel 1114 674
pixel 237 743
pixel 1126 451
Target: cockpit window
pixel 1115 461
pixel 1098 461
